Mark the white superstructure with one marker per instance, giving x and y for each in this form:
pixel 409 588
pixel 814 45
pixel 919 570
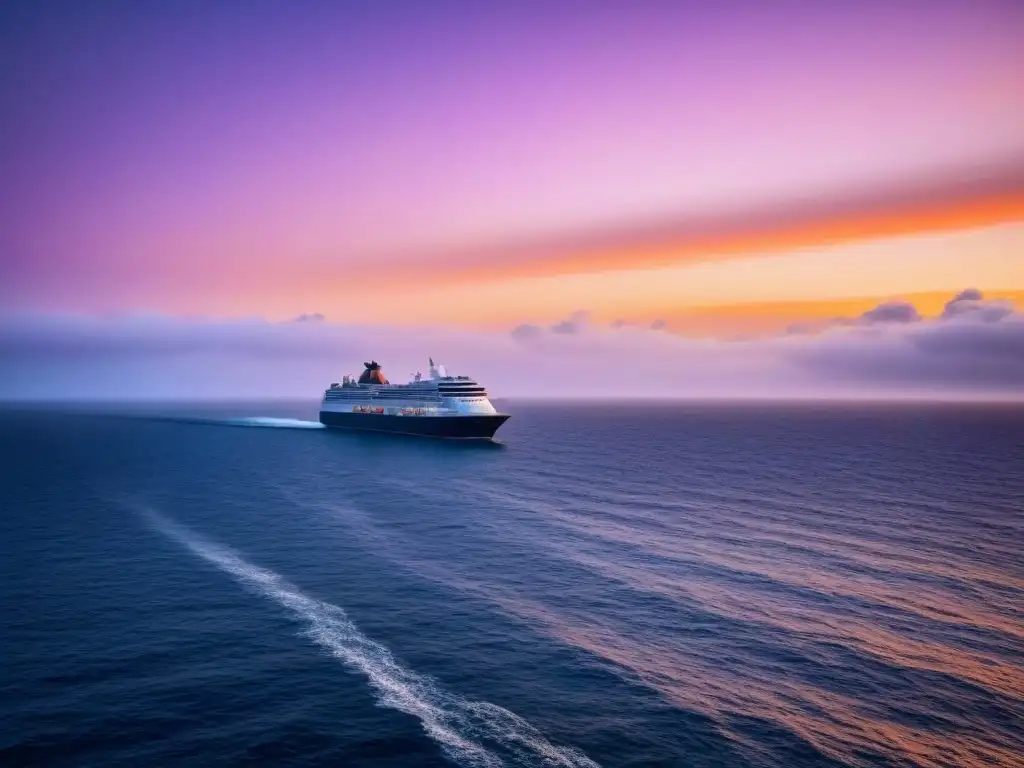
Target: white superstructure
pixel 439 394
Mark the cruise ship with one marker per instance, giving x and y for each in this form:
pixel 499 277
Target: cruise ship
pixel 438 405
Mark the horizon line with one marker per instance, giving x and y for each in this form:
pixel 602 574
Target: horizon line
pixel 879 398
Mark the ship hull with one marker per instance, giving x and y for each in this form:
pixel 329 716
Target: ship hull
pixel 466 427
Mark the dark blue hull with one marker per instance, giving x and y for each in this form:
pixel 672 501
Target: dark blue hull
pixel 471 427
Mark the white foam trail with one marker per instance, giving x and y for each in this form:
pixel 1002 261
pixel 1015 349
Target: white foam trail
pixel 267 421
pixel 466 730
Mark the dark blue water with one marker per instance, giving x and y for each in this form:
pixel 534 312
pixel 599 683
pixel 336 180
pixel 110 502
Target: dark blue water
pixel 625 586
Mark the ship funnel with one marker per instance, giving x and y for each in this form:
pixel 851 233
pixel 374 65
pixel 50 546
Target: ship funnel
pixel 373 374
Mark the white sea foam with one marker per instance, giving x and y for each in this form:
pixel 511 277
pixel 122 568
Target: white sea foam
pixel 470 732
pixel 267 421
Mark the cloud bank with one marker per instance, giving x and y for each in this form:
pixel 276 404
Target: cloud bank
pixel 975 349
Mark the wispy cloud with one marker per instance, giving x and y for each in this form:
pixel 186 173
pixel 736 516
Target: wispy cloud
pixel 892 312
pixel 955 200
pixel 309 317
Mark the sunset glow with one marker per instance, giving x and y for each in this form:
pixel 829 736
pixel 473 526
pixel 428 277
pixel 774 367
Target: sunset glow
pixel 714 170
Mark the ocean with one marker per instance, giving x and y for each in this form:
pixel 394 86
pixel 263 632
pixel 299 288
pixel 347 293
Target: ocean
pixel 650 585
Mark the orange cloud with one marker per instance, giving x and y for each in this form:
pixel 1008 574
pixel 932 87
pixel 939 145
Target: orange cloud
pixel 941 205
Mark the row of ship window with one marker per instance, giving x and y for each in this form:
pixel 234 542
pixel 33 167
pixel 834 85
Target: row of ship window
pixel 364 397
pixel 379 410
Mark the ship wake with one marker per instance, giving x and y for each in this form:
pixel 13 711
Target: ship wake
pixel 245 421
pixel 267 421
pixel 475 733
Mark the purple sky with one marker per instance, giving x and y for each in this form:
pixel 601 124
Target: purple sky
pixel 197 157
pixel 145 141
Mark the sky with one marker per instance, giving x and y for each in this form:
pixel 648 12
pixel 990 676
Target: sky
pixel 729 186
